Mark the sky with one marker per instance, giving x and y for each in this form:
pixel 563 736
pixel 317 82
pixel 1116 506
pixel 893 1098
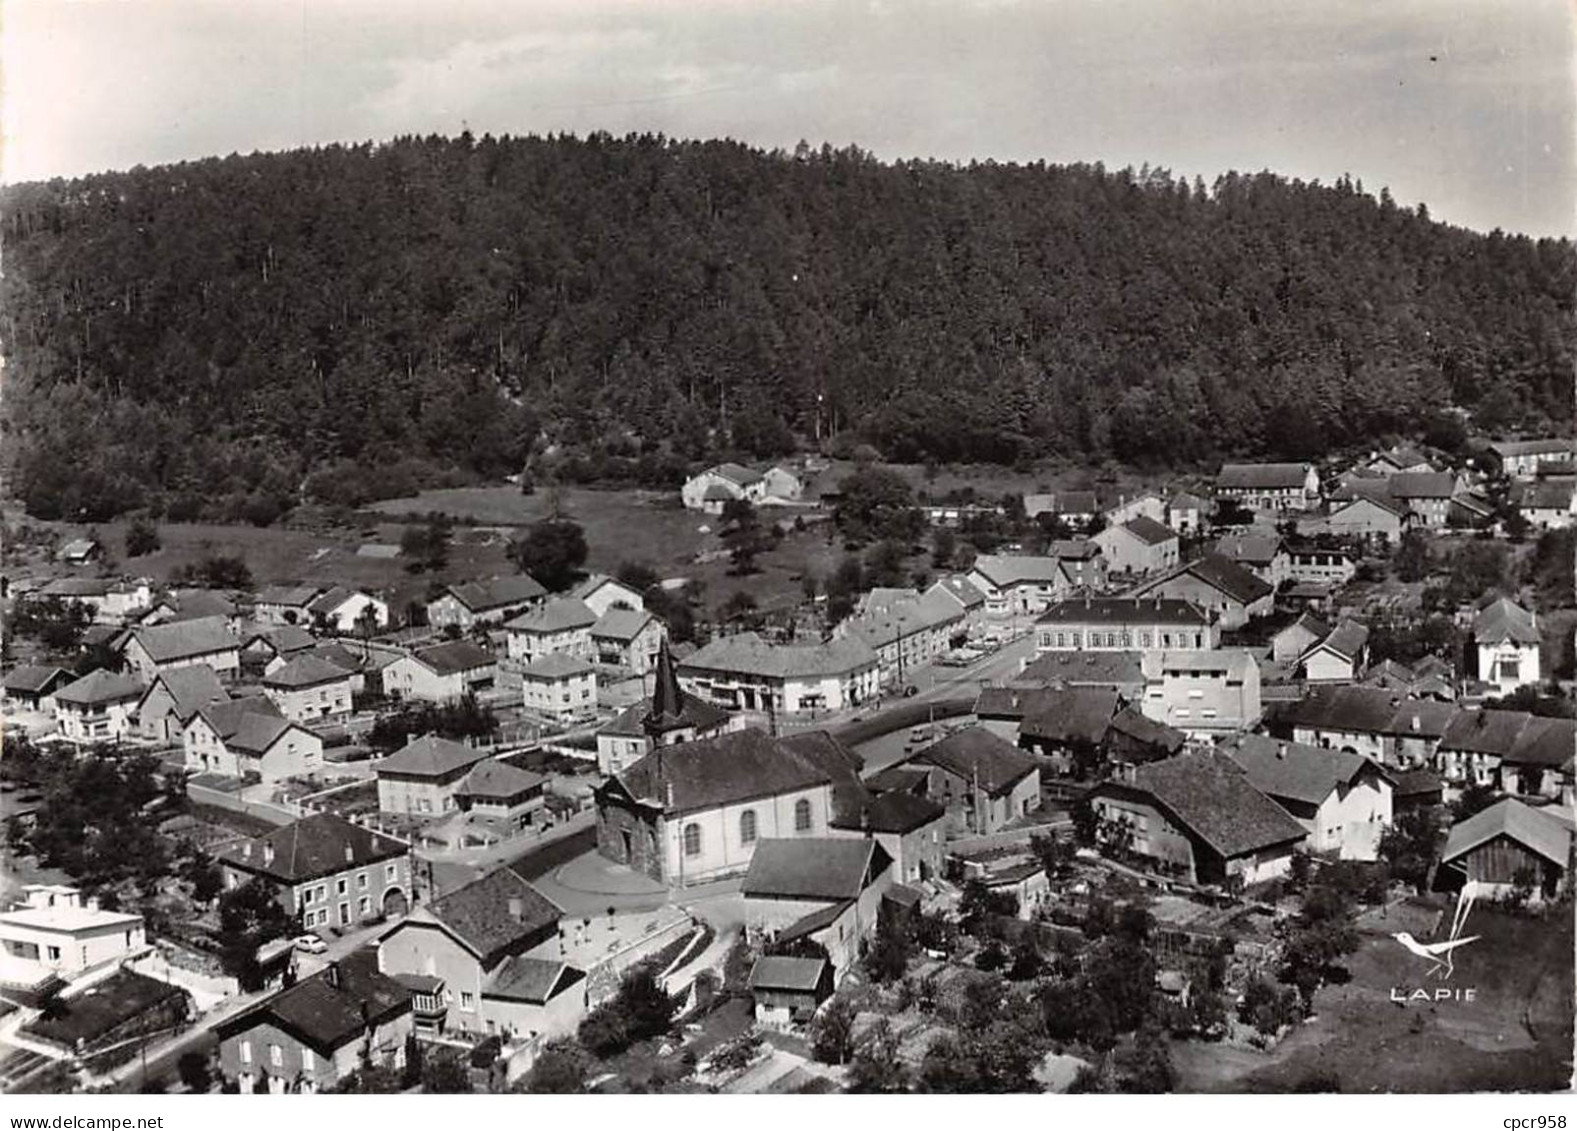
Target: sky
pixel 1467 105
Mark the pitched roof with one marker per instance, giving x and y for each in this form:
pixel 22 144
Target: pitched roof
pixel 331 1008
pixel 841 764
pixel 329 603
pixel 1229 661
pixel 321 844
pixel 1501 620
pixel 430 756
pixel 1416 783
pixel 735 473
pixel 893 811
pixel 1262 476
pixel 1532 828
pixel 535 980
pixel 289 595
pixel 1293 770
pixel 100 686
pixel 305 670
pixel 1428 718
pixel 498 592
pixel 832 868
pixel 1484 731
pixel 1149 531
pixel 1222 575
pixel 1374 499
pixel 1072 714
pixel 1186 501
pixel 495 779
pixel 1212 796
pixel 693 712
pixel 1311 624
pixel 1102 668
pixel 250 725
pixel 283 639
pixel 1423 485
pixel 1550 446
pixel 190 688
pixel 1255 549
pixel 589 585
pixel 1077 502
pixel 977 755
pixel 621 624
pixel 1018 700
pixel 882 625
pixel 793 975
pixel 1346 640
pixel 961 589
pixel 691 776
pixel 748 653
pixel 556 665
pixel 35 678
pixel 1125 610
pixel 562 614
pixel 898 779
pixel 1352 709
pixel 1555 493
pixel 182 639
pixel 1140 727
pixel 1015 569
pixel 453 656
pixel 1074 549
pixel 1544 742
pixel 195 604
pixel 76 587
pixel 482 914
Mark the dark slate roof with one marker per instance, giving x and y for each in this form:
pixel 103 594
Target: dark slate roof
pixel 1074 668
pixel 621 624
pixel 495 779
pixel 479 914
pixel 1423 485
pixel 306 670
pixel 284 639
pixel 100 686
pixel 1117 611
pixel 1291 769
pixel 1374 499
pixel 430 756
pixel 1346 640
pixel 322 844
pixel 181 639
pixel 832 868
pixel 1545 742
pixel 498 593
pixel 1485 732
pixel 1077 502
pixel 894 811
pixel 1149 531
pixel 963 590
pixel 35 678
pixel 1217 572
pixel 1075 549
pixel 1141 728
pixel 454 656
pixel 977 755
pixel 191 688
pixel 561 614
pixel 792 975
pixel 694 712
pixel 1427 718
pixel 894 779
pixel 1011 703
pixel 1256 549
pixel 1355 709
pixel 556 665
pixel 1072 714
pixel 1417 783
pixel 748 653
pixel 294 596
pixel 76 587
pixel 1503 619
pixel 1532 828
pixel 534 980
pixel 691 776
pixel 1212 796
pixel 331 1008
pixel 1262 476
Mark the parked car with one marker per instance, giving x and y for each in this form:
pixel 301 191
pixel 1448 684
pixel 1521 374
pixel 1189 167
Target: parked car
pixel 310 944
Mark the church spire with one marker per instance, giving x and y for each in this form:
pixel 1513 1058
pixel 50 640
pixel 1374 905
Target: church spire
pixel 667 705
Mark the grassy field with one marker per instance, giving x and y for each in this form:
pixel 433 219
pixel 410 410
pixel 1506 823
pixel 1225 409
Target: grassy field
pixel 1515 1035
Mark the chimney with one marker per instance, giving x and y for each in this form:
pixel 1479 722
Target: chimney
pixel 350 853
pixel 1281 751
pixel 268 853
pixel 865 822
pixel 332 975
pixel 93 903
pixel 1418 723
pixel 246 849
pixel 517 909
pixel 670 796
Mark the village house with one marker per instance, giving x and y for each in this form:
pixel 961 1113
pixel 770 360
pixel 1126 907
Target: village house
pixel 1369 722
pixel 910 828
pixel 628 639
pixel 787 991
pixel 968 598
pixel 1506 642
pixel 1018 585
pixel 32 687
pixel 671 715
pixel 108 602
pixel 272 648
pixel 1340 657
pixel 1223 588
pixel 601 593
pixel 1120 671
pixel 421 778
pixel 1138 547
pixel 827 890
pixel 1291 642
pixel 1510 846
pixel 441 673
pixel 1471 509
pixel 1399 459
pixel 312 1034
pixel 57 933
pixel 347 611
pixel 1370 519
pixel 286 604
pixel 1147 504
pixel 98 707
pixel 81 551
pixel 1313 564
pixel 473 603
pixel 561 626
pixel 179 644
pixel 693 812
pixel 324 868
pixel 906 634
pixel 1082 561
pixel 1202 693
pixel 484 961
pixel 745 672
pixel 559 687
pixel 1539 763
pixel 1123 624
pixel 502 797
pixel 193 604
pixel 1187 513
pixel 173 699
pixel 708 490
pixel 1426 494
pixel 1067 729
pixel 1132 738
pixel 1548 503
pixel 1344 801
pixel 308 687
pixel 1197 816
pixel 1263 555
pixel 1269 486
pixel 239 738
pixel 983 781
pixel 1521 459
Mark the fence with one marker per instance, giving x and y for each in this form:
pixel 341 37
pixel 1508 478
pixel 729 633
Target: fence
pixel 207 990
pixel 602 980
pixel 275 814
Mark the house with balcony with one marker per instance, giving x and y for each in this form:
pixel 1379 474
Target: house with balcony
pixel 441 673
pixel 32 687
pixel 1506 641
pixel 559 687
pixel 98 708
pixel 422 778
pixel 1320 566
pixel 502 797
pixel 327 870
pixel 472 603
pixel 1018 584
pixel 743 672
pixel 308 688
pixel 628 639
pixel 58 933
pixel 1202 693
pixel 559 626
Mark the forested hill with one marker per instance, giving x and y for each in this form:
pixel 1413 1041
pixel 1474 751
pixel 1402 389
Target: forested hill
pixel 208 337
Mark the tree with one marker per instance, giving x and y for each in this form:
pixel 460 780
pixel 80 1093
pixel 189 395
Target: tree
pixel 739 606
pixel 1085 822
pixel 250 916
pixel 194 1070
pixel 1474 799
pixel 1408 846
pixel 884 564
pixel 944 544
pixel 1267 1008
pixel 639 1010
pixel 743 535
pixel 1412 556
pixel 142 538
pixel 444 1072
pixel 832 1032
pixel 875 1067
pixel 561 1068
pixel 426 547
pixel 877 503
pixel 639 576
pixel 891 949
pixel 552 551
pixel 1146 1066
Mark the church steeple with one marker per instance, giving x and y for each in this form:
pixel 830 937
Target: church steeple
pixel 667 706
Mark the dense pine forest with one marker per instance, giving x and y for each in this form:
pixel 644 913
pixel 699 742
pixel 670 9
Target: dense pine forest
pixel 227 337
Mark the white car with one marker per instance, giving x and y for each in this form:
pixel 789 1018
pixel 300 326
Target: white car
pixel 311 944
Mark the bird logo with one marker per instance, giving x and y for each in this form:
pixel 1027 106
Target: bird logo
pixel 1442 955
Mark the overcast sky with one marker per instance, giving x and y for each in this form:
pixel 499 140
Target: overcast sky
pixel 1467 105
